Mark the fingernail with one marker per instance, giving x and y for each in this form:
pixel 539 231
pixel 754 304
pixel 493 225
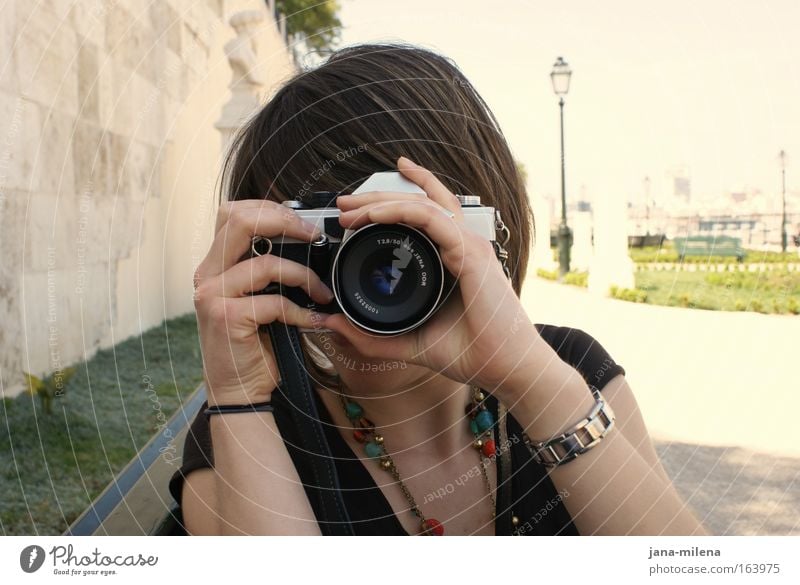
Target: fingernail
pixel 408 160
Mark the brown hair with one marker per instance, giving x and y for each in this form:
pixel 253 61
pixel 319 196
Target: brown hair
pixel 329 128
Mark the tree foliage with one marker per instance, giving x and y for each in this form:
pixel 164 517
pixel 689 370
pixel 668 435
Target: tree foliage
pixel 317 21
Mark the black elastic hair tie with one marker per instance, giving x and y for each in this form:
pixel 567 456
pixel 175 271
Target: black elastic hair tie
pixel 234 408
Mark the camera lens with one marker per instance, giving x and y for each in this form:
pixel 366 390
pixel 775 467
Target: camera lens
pixel 388 279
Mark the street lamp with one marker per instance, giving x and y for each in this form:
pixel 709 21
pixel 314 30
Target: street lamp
pixel 560 77
pixel 782 157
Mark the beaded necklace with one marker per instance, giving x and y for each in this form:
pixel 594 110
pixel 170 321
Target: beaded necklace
pixel 481 424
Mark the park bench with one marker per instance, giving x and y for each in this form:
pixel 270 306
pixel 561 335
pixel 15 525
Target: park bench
pixel 137 501
pixel 709 246
pixel 648 240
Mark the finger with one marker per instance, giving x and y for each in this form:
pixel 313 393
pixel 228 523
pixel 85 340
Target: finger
pixel 430 218
pixel 249 312
pixel 348 202
pixel 429 183
pixel 233 239
pixel 225 209
pixel 254 274
pixel 398 347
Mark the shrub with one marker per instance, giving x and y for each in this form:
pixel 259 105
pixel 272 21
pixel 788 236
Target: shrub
pixel 628 294
pixel 50 387
pixel 577 278
pixel 548 274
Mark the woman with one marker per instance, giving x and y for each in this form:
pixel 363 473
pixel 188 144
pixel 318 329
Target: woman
pixel 420 465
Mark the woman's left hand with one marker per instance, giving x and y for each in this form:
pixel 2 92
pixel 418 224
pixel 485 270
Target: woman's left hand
pixel 482 333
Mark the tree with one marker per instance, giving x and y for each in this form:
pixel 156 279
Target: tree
pixel 317 22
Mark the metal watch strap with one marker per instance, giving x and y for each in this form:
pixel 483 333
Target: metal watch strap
pixel 313 459
pixel 576 441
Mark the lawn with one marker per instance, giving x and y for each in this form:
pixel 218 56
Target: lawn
pixel 53 466
pixel 774 291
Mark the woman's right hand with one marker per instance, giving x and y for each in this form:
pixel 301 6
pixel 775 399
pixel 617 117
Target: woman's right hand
pixel 238 360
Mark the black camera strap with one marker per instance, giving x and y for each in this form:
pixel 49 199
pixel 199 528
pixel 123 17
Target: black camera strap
pixel 310 451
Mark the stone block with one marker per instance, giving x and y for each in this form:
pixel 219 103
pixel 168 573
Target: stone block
pixel 92 158
pixel 117 111
pixel 9 78
pixel 20 137
pixel 131 41
pixel 54 158
pixel 88 19
pixel 88 80
pixel 118 167
pixel 165 21
pixel 143 170
pixel 45 60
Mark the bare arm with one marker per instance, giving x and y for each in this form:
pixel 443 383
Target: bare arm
pixel 254 487
pixel 258 489
pixel 618 487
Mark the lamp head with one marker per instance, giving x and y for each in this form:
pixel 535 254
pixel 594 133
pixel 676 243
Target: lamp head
pixel 560 77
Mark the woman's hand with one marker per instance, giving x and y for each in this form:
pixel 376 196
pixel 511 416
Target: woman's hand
pixel 482 333
pixel 238 361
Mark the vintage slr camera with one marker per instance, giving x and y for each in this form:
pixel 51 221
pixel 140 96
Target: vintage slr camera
pixel 387 279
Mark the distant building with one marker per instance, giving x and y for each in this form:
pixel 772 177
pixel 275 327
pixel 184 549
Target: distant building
pixel 678 188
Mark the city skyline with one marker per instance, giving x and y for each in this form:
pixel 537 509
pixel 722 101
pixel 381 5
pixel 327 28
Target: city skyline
pixel 712 87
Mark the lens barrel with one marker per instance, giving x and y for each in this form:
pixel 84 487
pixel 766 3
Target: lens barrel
pixel 388 279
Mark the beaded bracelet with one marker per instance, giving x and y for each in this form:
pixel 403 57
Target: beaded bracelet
pixel 234 408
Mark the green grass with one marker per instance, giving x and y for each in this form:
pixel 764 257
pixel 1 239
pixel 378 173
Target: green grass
pixel 774 291
pixel 667 253
pixel 574 278
pixel 52 467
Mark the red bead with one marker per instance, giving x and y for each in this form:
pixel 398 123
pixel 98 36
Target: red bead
pixel 432 527
pixel 360 435
pixel 366 424
pixel 488 448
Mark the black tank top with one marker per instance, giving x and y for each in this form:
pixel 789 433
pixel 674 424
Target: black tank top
pixel 534 499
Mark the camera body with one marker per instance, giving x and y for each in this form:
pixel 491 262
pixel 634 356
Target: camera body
pixel 387 279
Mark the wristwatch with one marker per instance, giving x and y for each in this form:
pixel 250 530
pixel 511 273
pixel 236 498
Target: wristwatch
pixel 576 441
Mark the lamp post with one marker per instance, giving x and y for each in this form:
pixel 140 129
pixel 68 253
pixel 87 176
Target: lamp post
pixel 560 77
pixel 782 157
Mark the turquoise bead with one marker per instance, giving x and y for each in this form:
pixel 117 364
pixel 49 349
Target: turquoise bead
pixel 473 427
pixel 484 420
pixel 373 449
pixel 353 410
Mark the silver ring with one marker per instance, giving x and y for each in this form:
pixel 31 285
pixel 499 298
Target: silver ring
pixel 255 241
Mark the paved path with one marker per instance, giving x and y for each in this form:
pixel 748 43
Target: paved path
pixel 719 392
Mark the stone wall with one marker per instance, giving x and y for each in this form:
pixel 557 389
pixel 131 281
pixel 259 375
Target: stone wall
pixel 108 163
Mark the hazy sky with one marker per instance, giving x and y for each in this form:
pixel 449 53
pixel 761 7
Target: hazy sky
pixel 713 85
